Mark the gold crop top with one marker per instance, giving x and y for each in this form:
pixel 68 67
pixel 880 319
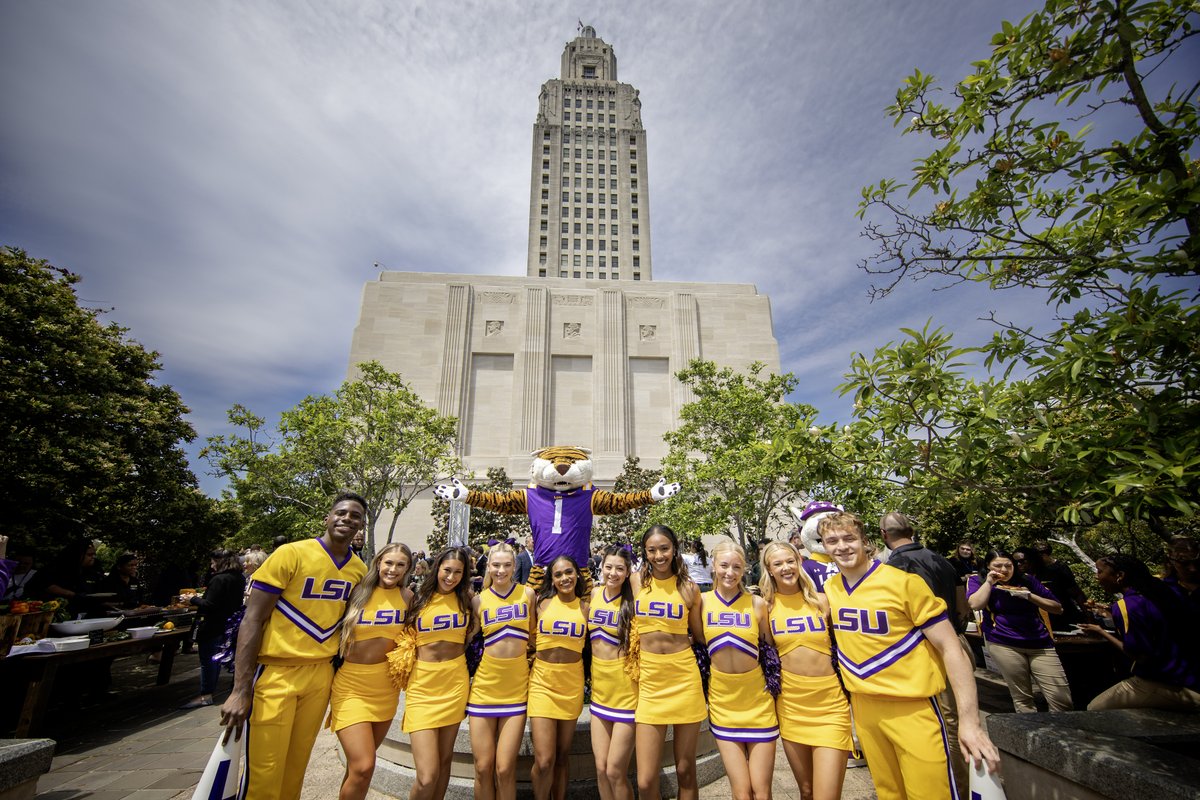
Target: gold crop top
pixel 795 623
pixel 383 615
pixel 604 622
pixel 659 606
pixel 730 624
pixel 561 625
pixel 442 621
pixel 504 616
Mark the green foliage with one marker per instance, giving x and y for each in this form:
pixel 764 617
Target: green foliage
pixel 484 524
pixel 1022 190
pixel 374 436
pixel 627 528
pixel 91 444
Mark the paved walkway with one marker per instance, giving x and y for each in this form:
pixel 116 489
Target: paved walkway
pixel 135 744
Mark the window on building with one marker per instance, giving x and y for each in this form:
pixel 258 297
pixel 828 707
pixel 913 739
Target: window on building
pixel 633 183
pixel 602 243
pixel 633 213
pixel 589 213
pixel 637 276
pixel 633 155
pixel 546 147
pixel 633 199
pixel 566 197
pixel 589 117
pixel 578 244
pixel 545 226
pixel 590 275
pixel 545 163
pixel 541 258
pixel 616 276
pixel 579 197
pixel 541 273
pixel 545 180
pixel 575 274
pixel 589 102
pixel 545 208
pixel 602 276
pixel 565 211
pixel 562 260
pixel 591 154
pixel 601 262
pixel 579 152
pixel 614 233
pixel 565 227
pixel 566 182
pixel 579 104
pixel 601 167
pixel 578 115
pixel 603 198
pixel 590 181
pixel 637 262
pixel 546 136
pixel 633 139
pixel 579 168
pixel 577 227
pixel 564 244
pixel 612 118
pixel 615 262
pixel 590 230
pixel 588 72
pixel 590 168
pixel 612 155
pixel 633 169
pixel 577 183
pixel 575 261
pixel 578 212
pixel 591 244
pixel 635 230
pixel 602 226
pixel 589 261
pixel 562 273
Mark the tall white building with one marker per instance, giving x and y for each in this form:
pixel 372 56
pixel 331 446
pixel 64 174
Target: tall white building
pixel 589 197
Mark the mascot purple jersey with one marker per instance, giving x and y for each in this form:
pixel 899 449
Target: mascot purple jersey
pixel 561 522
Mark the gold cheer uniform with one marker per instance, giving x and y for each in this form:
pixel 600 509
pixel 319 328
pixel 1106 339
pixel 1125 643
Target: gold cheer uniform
pixel 739 707
pixel 437 691
pixel 501 685
pixel 364 692
pixel 669 687
pixel 812 709
pixel 556 690
pixel 614 695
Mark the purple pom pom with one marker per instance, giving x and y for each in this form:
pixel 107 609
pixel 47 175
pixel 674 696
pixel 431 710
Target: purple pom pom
pixel 704 663
pixel 768 658
pixel 227 652
pixel 474 653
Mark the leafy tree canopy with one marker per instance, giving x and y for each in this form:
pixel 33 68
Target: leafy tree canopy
pixel 627 528
pixel 484 524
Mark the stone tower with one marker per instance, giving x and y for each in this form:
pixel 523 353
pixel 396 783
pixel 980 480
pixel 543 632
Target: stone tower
pixel 589 209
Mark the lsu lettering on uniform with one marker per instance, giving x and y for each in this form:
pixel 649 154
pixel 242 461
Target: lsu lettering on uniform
pixel 812 709
pixel 501 685
pixel 292 682
pixel 556 690
pixel 669 687
pixel 364 692
pixel 739 707
pixel 893 674
pixel 437 691
pixel 614 694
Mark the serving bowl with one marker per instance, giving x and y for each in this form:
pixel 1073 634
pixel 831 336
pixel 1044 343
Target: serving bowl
pixel 141 633
pixel 64 645
pixel 84 626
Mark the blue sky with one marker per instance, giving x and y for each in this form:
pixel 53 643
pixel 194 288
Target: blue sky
pixel 224 175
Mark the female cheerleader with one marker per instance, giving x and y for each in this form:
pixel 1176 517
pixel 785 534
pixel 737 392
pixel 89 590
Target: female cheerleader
pixel 614 692
pixel 436 698
pixel 556 681
pixel 814 716
pixel 363 701
pixel 666 608
pixel 741 711
pixel 507 612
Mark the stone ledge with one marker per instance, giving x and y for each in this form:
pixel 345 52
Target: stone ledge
pixel 22 762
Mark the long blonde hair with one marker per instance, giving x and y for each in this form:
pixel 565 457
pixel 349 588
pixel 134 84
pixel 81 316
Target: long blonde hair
pixel 500 547
pixel 361 594
pixel 766 581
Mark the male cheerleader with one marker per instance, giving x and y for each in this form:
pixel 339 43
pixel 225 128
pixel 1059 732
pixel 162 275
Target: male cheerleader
pixel 283 670
pixel 895 647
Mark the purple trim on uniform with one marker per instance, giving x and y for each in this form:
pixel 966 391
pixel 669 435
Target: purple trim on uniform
pixel 345 561
pixel 929 622
pixel 729 639
pixel 302 622
pixel 883 659
pixel 265 587
pixel 511 589
pixel 481 710
pixel 612 714
pixel 607 599
pixel 604 636
pixel 850 589
pixel 244 784
pixel 937 711
pixel 722 599
pixel 507 632
pixel 744 734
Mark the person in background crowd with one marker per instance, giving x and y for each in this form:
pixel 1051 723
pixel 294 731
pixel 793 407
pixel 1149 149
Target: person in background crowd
pixel 283 669
pixel 1154 631
pixel 122 582
pixel 277 542
pixel 358 543
pixel 419 571
pixel 1183 571
pixel 1058 578
pixel 70 577
pixel 1016 627
pixel 963 560
pixel 22 573
pixel 221 600
pixel 6 566
pixel 250 564
pixel 942 579
pixel 896 647
pixel 697 565
pixel 524 561
pixel 797 541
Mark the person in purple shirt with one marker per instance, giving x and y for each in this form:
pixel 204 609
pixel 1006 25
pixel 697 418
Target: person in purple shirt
pixel 1016 628
pixel 1153 631
pixel 6 566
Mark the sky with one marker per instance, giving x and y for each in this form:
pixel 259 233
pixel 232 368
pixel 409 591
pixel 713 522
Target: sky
pixel 226 176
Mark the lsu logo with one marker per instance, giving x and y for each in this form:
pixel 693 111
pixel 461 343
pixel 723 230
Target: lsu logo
pixel 858 620
pixel 442 622
pixel 382 616
pixel 793 625
pixel 332 589
pixel 513 613
pixel 728 619
pixel 604 618
pixel 562 627
pixel 658 608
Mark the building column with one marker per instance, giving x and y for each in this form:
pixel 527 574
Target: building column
pixel 685 346
pixel 456 357
pixel 533 365
pixel 610 409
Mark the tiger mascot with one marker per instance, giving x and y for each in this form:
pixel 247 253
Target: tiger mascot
pixel 561 503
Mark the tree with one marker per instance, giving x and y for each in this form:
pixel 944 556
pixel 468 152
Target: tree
pixel 374 436
pixel 722 452
pixel 1063 164
pixel 91 444
pixel 627 528
pixel 484 524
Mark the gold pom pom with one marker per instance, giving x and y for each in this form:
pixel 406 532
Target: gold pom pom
pixel 633 655
pixel 402 658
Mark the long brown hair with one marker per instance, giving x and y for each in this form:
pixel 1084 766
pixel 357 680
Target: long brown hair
pixel 361 594
pixel 625 614
pixel 678 568
pixel 428 586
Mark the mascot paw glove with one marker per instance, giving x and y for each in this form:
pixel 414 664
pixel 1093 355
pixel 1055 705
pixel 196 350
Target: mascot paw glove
pixel 662 490
pixel 457 490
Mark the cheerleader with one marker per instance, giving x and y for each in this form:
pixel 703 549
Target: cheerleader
pixel 507 613
pixel 363 701
pixel 614 691
pixel 741 712
pixel 436 698
pixel 556 681
pixel 666 608
pixel 814 716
